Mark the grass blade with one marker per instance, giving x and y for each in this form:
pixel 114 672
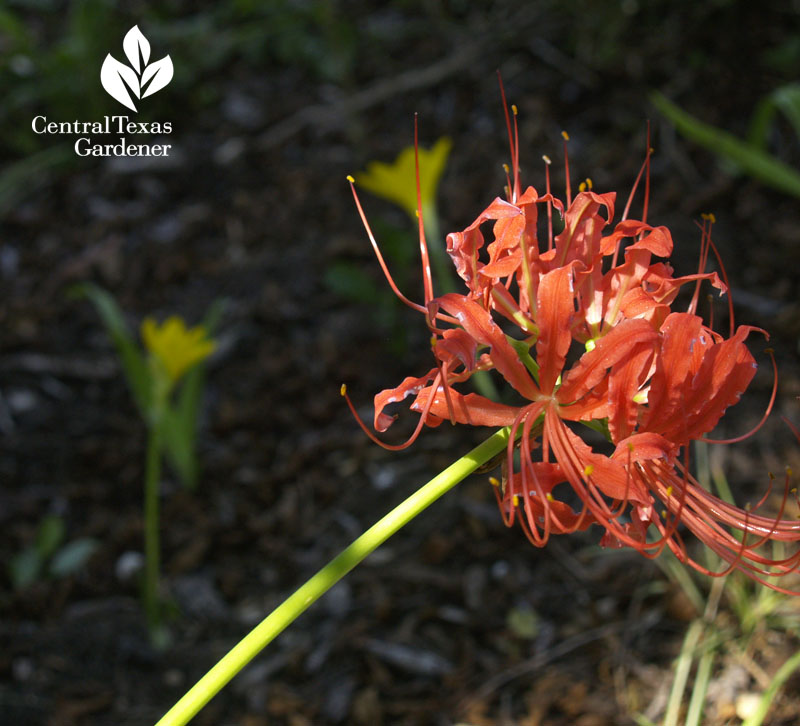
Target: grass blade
pixel 747 157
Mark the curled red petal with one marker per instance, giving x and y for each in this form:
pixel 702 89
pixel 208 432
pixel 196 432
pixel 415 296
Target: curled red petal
pixel 464 247
pixel 409 387
pixel 456 345
pixel 610 350
pixel 507 233
pixel 594 404
pixel 636 303
pixel 656 240
pixel 644 447
pixel 467 409
pixel 684 340
pixel 660 284
pixel 502 266
pixel 725 373
pixel 625 380
pixel 551 514
pixel 696 378
pixel 580 239
pixel 555 310
pixel 606 474
pixel 478 323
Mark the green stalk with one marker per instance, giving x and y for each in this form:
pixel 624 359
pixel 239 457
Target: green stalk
pixel 151 538
pixel 280 618
pixel 682 668
pixel 700 688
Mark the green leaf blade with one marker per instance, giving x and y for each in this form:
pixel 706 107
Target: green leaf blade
pixel 747 157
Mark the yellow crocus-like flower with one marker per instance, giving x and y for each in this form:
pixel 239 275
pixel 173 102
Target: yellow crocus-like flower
pixel 396 182
pixel 175 346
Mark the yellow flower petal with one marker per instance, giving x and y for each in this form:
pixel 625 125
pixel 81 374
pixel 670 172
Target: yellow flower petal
pixel 397 182
pixel 175 346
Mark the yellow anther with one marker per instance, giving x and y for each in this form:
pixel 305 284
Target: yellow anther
pixel 433 340
pixel 343 390
pixel 350 179
pixel 747 507
pixel 494 481
pixel 590 345
pixel 669 491
pixel 549 497
pixel 514 109
pixel 505 168
pixel 788 471
pixel 589 470
pixel 582 187
pixel 515 500
pixel 664 514
pixel 709 217
pixel 565 135
pixel 589 183
pixel 546 159
pixel 651 150
pixel 769 351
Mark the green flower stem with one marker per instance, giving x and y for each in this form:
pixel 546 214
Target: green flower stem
pixel 280 618
pixel 151 538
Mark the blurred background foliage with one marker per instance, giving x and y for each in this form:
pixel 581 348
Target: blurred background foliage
pixel 272 104
pixel 50 50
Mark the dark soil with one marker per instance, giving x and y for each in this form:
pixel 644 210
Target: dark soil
pixel 456 619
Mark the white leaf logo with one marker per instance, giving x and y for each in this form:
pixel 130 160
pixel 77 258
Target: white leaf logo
pixel 135 45
pixel 114 75
pixel 139 79
pixel 160 72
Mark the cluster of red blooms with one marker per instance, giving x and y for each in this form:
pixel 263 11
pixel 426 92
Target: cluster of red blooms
pixel 650 378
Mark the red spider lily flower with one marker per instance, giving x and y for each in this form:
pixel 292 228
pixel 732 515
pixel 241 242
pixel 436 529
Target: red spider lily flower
pixel 650 378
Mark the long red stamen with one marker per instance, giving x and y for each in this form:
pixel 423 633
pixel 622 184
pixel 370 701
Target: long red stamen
pixel 705 239
pixel 515 160
pixel 508 186
pixel 447 397
pixel 506 512
pixel 525 457
pixel 565 136
pixel 414 306
pixel 395 447
pixel 645 167
pixel 381 262
pixel 513 190
pixel 647 177
pixel 724 274
pixel 547 163
pixel 427 278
